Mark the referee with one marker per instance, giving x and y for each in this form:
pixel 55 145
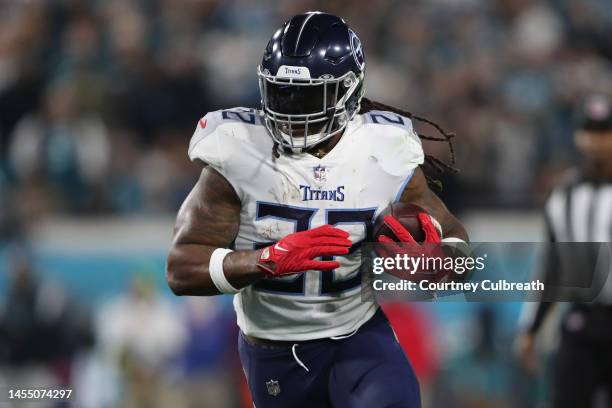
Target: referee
pixel 580 210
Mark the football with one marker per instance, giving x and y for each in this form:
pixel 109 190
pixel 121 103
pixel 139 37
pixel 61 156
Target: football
pixel 407 215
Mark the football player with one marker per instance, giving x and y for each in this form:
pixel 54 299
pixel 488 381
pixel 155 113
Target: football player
pixel 286 195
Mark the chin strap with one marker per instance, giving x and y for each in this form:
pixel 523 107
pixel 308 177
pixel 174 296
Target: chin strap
pixel 331 115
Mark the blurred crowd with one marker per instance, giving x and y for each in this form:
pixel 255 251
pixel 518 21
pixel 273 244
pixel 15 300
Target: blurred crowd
pixel 134 348
pixel 98 99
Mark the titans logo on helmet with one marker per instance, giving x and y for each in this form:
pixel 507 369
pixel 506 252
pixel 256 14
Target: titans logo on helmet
pixel 357 49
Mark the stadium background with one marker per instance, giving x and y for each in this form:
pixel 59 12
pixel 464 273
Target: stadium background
pixel 98 100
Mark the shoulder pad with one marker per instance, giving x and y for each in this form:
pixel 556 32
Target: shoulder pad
pixel 247 116
pixel 395 144
pixel 212 121
pixel 387 118
pixel 397 121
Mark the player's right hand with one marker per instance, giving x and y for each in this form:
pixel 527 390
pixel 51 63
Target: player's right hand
pixel 296 252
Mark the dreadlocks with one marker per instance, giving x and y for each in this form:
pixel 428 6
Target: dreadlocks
pixel 433 165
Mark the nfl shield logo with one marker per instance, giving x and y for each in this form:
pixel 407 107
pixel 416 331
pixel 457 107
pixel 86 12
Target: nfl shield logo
pixel 320 173
pixel 273 387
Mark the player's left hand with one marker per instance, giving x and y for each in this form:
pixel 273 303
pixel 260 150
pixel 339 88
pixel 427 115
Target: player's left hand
pixel 407 245
pixel 432 236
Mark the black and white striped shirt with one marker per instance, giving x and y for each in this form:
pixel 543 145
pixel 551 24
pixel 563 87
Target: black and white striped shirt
pixel 578 210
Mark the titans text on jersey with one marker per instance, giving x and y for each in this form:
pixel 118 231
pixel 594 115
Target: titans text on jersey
pixel 309 193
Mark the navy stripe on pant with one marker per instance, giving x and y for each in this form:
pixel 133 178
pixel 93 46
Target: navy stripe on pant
pixel 368 369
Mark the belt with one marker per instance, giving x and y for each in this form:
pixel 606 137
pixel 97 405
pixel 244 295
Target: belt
pixel 275 344
pixel 281 344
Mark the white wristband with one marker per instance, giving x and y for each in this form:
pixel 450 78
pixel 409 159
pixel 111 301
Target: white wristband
pixel 458 245
pixel 215 269
pixel 453 239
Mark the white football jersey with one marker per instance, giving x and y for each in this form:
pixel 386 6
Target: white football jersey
pixel 367 169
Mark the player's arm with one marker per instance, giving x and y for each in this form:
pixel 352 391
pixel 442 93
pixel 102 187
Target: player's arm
pixel 208 219
pixel 418 192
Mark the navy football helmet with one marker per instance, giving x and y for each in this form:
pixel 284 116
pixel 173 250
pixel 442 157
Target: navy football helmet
pixel 311 80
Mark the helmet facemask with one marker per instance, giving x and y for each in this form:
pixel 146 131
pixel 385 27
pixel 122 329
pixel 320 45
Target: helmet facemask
pixel 301 113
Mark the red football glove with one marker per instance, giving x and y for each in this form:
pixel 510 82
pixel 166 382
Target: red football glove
pixel 296 252
pixel 408 246
pixel 432 236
